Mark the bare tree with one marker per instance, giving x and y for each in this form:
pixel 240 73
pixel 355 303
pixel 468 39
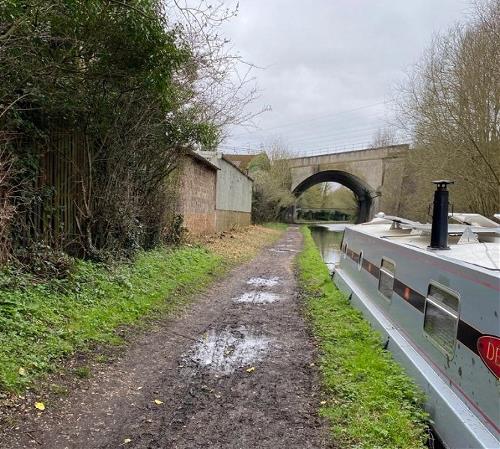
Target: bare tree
pixel 221 82
pixel 273 182
pixel 451 107
pixel 383 137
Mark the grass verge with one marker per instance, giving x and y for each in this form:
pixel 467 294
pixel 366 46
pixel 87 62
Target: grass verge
pixel 370 401
pixel 276 226
pixel 42 323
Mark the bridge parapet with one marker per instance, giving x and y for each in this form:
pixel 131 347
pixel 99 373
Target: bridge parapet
pixel 349 156
pixel 375 175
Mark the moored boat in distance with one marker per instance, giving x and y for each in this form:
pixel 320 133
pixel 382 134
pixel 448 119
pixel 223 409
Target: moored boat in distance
pixel 433 291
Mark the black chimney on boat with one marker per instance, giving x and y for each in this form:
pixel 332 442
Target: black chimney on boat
pixel 439 231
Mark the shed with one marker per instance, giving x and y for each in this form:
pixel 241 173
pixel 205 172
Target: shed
pixel 197 193
pixel 233 193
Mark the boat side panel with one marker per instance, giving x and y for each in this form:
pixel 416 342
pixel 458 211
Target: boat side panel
pixel 456 425
pixel 479 307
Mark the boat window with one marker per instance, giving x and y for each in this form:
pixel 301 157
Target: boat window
pixel 360 260
pixel 345 250
pixel 441 317
pixel 386 278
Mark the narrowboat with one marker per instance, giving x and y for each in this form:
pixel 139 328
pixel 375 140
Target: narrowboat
pixel 433 292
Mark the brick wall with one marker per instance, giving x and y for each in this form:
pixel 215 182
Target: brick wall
pixel 196 199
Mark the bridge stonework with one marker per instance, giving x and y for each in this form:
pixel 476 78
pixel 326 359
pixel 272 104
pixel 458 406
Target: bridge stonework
pixel 375 175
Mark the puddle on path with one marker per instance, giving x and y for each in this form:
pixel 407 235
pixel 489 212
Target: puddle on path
pixel 223 352
pixel 283 249
pixel 255 297
pixel 264 282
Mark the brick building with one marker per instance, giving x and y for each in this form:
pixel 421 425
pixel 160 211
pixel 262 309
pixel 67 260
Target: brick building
pixel 242 161
pixel 197 193
pixel 214 194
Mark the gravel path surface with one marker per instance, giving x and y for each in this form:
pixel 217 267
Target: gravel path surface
pixel 236 370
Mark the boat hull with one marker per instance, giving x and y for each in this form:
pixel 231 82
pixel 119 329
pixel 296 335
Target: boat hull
pixel 462 394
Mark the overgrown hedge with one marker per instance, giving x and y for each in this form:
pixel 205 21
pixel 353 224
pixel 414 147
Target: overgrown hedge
pixel 97 102
pixel 370 401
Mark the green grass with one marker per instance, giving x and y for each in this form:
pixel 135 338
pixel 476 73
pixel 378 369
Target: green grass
pixel 42 323
pixel 276 226
pixel 370 401
pixel 83 372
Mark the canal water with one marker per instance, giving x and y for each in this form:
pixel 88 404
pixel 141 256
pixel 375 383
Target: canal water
pixel 328 238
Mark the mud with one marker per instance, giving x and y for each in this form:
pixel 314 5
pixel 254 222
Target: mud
pixel 223 375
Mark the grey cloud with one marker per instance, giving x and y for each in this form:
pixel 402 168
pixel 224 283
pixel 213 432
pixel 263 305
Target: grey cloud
pixel 324 57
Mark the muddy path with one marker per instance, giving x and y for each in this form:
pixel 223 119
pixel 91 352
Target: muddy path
pixel 236 370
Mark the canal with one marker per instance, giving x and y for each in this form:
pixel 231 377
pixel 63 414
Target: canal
pixel 328 238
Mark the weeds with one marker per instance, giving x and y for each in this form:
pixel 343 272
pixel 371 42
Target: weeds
pixel 83 372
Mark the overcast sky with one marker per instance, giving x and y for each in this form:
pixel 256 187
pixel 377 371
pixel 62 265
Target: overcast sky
pixel 330 67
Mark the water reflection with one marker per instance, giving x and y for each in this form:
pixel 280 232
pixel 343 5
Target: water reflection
pixel 328 239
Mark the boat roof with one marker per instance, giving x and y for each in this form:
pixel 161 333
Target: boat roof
pixel 474 245
pixel 474 220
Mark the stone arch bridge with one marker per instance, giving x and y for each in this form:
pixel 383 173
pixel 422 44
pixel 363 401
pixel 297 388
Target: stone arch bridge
pixel 375 175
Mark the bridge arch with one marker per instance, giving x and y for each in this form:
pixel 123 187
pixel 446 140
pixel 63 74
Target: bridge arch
pixel 364 193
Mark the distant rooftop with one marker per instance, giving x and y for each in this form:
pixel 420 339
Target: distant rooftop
pixel 240 160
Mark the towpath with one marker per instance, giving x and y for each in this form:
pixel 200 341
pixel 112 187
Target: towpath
pixel 234 371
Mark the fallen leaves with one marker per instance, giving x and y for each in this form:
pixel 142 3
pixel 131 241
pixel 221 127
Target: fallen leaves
pixel 251 369
pixel 22 371
pixel 158 402
pixel 242 244
pixel 40 406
